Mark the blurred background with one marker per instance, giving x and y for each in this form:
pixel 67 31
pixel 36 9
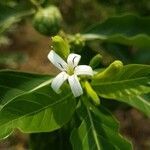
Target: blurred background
pixel 25 31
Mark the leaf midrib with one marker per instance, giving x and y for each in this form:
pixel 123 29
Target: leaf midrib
pixel 93 130
pixel 27 92
pixel 33 90
pixel 116 35
pixel 38 110
pixel 90 129
pixel 118 82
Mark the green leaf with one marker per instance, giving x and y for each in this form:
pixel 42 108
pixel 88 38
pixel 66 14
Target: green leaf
pixel 29 103
pixel 10 15
pixel 98 131
pixel 126 29
pixel 127 86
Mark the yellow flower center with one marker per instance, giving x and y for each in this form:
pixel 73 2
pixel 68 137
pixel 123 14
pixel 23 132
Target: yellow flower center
pixel 70 70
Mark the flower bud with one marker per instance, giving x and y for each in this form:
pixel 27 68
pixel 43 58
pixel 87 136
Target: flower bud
pixel 77 42
pixel 95 61
pixel 48 20
pixel 111 70
pixel 91 93
pixel 60 46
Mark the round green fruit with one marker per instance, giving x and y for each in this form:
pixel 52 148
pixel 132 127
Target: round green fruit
pixel 48 21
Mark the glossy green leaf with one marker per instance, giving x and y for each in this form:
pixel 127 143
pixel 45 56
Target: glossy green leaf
pixel 27 102
pixel 127 29
pixel 127 86
pixel 98 131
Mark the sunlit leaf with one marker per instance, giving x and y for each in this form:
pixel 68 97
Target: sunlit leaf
pixel 29 103
pixel 98 131
pixel 127 86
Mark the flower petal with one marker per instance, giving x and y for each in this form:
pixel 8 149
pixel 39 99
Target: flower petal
pixel 57 60
pixel 58 81
pixel 83 70
pixel 75 85
pixel 73 59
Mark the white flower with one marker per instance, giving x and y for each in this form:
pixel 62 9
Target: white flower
pixel 70 71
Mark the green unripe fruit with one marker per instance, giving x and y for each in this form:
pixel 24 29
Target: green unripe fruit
pixel 111 70
pixel 48 20
pixel 95 61
pixel 60 46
